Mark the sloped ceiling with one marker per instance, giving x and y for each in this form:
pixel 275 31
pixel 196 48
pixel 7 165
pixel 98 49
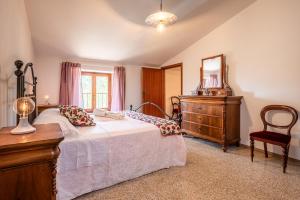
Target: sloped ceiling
pixel 114 30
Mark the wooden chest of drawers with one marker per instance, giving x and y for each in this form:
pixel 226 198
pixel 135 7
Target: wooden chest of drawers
pixel 215 118
pixel 28 163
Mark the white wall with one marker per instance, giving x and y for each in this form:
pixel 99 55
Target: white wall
pixel 262 48
pixel 15 43
pixel 48 73
pixel 133 86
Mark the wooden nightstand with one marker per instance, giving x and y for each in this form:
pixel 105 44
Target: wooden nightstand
pixel 42 107
pixel 28 163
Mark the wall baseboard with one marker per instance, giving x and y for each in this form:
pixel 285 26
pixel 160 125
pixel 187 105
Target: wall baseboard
pixel 248 147
pixel 270 153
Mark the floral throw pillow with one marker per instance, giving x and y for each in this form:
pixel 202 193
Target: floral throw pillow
pixel 63 108
pixel 77 116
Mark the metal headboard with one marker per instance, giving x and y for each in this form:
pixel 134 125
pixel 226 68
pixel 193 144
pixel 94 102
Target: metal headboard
pixel 22 83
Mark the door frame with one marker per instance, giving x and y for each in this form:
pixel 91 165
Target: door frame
pixel 164 68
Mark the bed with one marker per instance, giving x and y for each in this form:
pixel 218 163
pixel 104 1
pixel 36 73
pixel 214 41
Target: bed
pixel 111 152
pixel 108 153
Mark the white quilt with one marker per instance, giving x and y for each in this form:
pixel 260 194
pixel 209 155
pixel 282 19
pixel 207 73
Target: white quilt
pixel 113 151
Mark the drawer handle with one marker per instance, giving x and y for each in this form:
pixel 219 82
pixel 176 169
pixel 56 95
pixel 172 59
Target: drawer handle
pixel 200 118
pixel 199 108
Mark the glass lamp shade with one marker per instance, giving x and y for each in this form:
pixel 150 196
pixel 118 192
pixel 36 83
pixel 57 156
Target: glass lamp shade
pixel 161 17
pixel 23 106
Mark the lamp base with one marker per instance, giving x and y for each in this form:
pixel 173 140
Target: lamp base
pixel 23 127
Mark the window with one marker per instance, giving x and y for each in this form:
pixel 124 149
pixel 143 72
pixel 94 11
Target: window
pixel 96 90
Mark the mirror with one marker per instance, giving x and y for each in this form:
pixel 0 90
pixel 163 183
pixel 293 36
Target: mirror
pixel 213 77
pixel 212 72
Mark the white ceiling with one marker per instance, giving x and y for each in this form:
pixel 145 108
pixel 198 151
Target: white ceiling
pixel 114 30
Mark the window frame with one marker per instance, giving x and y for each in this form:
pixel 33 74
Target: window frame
pixel 94 76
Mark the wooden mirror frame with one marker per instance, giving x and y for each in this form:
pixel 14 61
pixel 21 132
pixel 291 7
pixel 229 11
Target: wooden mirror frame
pixel 222 69
pixel 225 89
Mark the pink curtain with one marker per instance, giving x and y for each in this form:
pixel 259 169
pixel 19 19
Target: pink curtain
pixel 118 89
pixel 70 77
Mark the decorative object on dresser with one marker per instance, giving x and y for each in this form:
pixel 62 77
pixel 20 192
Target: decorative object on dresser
pixel 42 107
pixel 213 114
pixel 272 137
pixel 28 163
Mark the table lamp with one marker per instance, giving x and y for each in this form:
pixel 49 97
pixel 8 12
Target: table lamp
pixel 47 99
pixel 23 106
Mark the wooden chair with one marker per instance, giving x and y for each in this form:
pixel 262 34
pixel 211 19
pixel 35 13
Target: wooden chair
pixel 275 138
pixel 175 101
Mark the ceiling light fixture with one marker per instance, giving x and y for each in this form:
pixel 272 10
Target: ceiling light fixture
pixel 161 19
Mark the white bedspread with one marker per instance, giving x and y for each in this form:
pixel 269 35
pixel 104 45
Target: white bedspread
pixel 111 152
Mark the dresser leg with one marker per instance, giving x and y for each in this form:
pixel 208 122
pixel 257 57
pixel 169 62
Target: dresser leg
pixel 237 144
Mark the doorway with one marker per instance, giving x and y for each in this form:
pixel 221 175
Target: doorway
pixel 172 85
pixel 159 85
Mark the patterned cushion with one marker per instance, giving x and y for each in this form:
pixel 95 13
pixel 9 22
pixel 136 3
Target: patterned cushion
pixel 77 116
pixel 167 127
pixel 64 108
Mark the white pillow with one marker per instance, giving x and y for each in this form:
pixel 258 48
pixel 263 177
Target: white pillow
pixel 99 112
pixel 53 115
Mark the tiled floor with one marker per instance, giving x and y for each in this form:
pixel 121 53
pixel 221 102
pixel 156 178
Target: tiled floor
pixel 212 174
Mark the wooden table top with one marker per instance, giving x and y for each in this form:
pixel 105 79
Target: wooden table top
pixel 44 134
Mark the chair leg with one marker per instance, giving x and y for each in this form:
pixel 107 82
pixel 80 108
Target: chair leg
pixel 285 158
pixel 266 150
pixel 224 147
pixel 252 148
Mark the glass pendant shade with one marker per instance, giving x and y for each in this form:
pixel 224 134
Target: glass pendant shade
pixel 160 27
pixel 23 106
pixel 161 19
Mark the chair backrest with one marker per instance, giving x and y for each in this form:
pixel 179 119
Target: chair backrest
pixel 175 100
pixel 287 109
